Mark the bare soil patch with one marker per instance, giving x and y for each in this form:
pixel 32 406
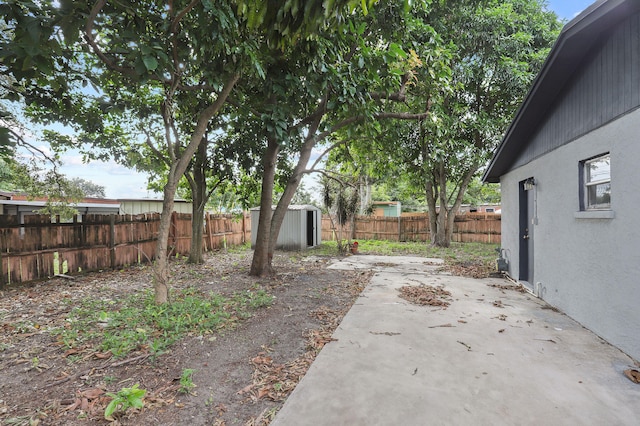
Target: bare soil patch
pixel 242 373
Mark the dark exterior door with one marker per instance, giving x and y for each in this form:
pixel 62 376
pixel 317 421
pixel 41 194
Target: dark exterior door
pixel 311 228
pixel 526 212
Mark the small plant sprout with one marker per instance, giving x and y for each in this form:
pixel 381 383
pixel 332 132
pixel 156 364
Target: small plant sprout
pixel 109 379
pixel 186 381
pixel 124 399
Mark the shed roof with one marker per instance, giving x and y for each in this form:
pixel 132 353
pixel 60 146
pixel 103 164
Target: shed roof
pixel 292 207
pixel 574 42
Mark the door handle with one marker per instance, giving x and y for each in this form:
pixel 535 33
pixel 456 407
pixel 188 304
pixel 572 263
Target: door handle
pixel 526 237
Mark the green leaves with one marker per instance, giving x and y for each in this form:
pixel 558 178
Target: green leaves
pixel 150 63
pixel 124 399
pixel 7 142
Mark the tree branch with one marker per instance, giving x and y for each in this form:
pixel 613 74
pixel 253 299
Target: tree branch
pixel 326 151
pixel 399 96
pixel 203 121
pixel 88 29
pixel 153 148
pixel 401 115
pixel 333 176
pixel 181 14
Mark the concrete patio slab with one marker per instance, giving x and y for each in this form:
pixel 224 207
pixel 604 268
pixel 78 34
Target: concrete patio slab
pixel 492 357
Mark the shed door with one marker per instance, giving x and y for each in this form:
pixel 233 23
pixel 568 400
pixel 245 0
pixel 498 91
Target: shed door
pixel 311 228
pixel 526 232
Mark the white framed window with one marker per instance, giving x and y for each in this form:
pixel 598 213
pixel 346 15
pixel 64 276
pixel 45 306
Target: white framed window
pixel 595 191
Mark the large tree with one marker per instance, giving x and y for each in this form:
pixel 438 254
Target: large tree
pixel 83 62
pixel 88 63
pixel 489 53
pixel 497 49
pixel 344 79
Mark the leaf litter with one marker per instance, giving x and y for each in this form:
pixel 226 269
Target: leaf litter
pixel 426 295
pixel 42 381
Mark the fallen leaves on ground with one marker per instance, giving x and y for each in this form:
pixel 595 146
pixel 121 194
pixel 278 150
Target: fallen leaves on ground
pixel 64 381
pixel 516 287
pixel 425 295
pixel 276 381
pixel 469 269
pixel 633 375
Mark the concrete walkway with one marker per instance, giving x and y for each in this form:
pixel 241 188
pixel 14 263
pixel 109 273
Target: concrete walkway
pixel 493 357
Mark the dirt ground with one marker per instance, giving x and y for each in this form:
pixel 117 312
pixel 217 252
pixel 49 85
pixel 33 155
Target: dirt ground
pixel 242 375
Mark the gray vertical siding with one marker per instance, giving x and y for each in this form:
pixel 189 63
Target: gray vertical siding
pixel 606 86
pixel 293 232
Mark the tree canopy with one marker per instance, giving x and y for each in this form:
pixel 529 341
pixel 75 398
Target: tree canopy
pixel 488 53
pixel 124 72
pixel 216 92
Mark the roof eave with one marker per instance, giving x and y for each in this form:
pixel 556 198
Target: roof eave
pixel 573 43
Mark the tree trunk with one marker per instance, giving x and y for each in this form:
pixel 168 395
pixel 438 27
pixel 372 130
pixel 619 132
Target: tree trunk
pixel 177 168
pixel 456 205
pixel 199 195
pixel 442 222
pixel 289 192
pixel 437 190
pixel 439 239
pixel 197 230
pixel 267 237
pixel 261 263
pixel 161 266
pixel 433 212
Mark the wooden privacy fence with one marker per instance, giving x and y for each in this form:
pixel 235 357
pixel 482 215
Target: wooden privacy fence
pixel 471 227
pixel 42 247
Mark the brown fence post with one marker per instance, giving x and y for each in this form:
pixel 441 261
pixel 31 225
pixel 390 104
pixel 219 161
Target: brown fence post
pixel 112 240
pixel 244 228
pixel 1 273
pixel 210 230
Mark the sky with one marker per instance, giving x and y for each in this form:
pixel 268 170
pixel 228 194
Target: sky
pixel 568 9
pixel 120 182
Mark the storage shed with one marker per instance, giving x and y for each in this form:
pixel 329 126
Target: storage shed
pixel 301 227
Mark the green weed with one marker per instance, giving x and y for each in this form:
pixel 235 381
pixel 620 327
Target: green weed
pixel 241 248
pixel 138 323
pixel 186 381
pixel 109 379
pixel 124 399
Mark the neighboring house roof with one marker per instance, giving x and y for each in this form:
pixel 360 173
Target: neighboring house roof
pixel 13 196
pixel 92 204
pixel 154 200
pixel 577 38
pixel 385 203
